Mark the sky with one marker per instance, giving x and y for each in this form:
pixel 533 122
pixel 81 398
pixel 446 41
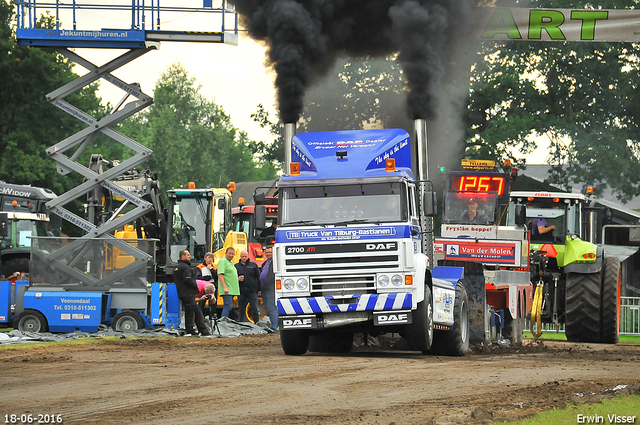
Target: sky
pixel 234 77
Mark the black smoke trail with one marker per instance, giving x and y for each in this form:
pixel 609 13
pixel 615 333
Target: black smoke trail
pixel 304 38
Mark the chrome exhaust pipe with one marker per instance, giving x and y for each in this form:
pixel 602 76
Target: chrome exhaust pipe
pixel 420 128
pixel 289 134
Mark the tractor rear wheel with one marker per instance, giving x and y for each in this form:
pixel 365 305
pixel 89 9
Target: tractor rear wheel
pixel 582 307
pixel 610 300
pixel 456 341
pixel 294 343
pixel 15 264
pixel 419 334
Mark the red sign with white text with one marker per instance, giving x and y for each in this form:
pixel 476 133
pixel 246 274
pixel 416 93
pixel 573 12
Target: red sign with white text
pixel 507 253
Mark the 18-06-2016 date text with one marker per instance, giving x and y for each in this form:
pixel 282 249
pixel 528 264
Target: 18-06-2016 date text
pixel 30 418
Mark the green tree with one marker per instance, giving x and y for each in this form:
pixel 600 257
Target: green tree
pixel 582 96
pixel 193 138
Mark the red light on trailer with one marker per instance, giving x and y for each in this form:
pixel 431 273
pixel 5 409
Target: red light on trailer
pixel 556 199
pixel 530 198
pixel 295 168
pixel 391 165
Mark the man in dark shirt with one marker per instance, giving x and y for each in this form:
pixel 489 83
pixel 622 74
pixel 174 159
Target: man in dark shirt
pixel 268 288
pixel 473 215
pixel 187 291
pixel 248 275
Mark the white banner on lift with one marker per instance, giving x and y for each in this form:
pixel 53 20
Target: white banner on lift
pixel 558 24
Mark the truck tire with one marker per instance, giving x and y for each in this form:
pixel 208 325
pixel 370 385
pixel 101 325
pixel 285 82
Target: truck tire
pixel 610 301
pixel 419 334
pixel 331 342
pixel 127 321
pixel 456 341
pixel 31 321
pixel 582 307
pixel 294 343
pixel 15 264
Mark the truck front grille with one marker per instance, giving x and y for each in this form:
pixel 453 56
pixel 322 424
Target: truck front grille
pixel 336 285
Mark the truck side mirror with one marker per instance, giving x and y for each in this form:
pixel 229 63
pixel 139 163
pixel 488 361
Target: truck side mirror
pixel 430 207
pixel 222 204
pixel 521 215
pixel 260 214
pixel 4 226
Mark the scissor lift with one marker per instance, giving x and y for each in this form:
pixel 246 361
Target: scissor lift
pixel 78 264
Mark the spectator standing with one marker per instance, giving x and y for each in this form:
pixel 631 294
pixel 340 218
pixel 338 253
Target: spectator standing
pixel 248 277
pixel 206 271
pixel 187 290
pixel 268 288
pixel 228 286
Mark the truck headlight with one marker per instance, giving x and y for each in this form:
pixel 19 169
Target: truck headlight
pixel 302 284
pixel 397 280
pixel 289 284
pixel 383 280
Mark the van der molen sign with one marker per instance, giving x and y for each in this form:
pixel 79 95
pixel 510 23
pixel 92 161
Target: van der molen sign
pixel 559 25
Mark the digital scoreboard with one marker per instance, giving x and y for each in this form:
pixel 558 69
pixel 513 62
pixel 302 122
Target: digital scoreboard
pixel 465 181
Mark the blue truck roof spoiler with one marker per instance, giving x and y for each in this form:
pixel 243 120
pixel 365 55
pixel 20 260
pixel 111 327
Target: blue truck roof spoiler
pixel 348 154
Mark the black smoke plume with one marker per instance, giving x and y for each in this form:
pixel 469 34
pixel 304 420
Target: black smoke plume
pixel 304 38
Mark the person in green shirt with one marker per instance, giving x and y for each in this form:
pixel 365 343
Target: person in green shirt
pixel 228 285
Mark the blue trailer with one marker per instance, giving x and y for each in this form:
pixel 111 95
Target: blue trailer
pixel 50 309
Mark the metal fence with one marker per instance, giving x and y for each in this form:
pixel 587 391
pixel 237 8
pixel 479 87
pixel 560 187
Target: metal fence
pixel 629 315
pixel 629 318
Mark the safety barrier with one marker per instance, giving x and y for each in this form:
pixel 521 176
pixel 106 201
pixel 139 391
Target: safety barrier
pixel 629 318
pixel 629 315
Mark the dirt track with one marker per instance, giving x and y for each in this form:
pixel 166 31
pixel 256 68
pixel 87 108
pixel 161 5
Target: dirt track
pixel 248 380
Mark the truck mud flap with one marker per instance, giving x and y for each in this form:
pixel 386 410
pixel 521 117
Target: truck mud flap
pixel 477 300
pixel 398 317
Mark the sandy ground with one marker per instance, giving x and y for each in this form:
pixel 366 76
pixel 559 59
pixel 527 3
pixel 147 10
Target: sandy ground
pixel 249 380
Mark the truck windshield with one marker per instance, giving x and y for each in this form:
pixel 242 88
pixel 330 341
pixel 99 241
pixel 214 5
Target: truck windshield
pixel 470 208
pixel 344 204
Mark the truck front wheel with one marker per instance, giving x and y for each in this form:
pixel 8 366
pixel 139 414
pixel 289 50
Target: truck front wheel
pixel 456 341
pixel 420 333
pixel 610 300
pixel 582 307
pixel 294 343
pixel 31 321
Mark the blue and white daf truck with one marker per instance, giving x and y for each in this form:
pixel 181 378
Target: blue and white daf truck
pixel 351 248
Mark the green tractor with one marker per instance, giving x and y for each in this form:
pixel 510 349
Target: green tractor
pixel 575 283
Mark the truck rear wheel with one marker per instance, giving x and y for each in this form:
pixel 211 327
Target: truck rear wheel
pixel 127 321
pixel 582 307
pixel 456 341
pixel 331 342
pixel 610 300
pixel 419 334
pixel 31 321
pixel 294 343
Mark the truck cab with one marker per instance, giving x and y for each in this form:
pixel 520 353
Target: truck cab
pixel 350 248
